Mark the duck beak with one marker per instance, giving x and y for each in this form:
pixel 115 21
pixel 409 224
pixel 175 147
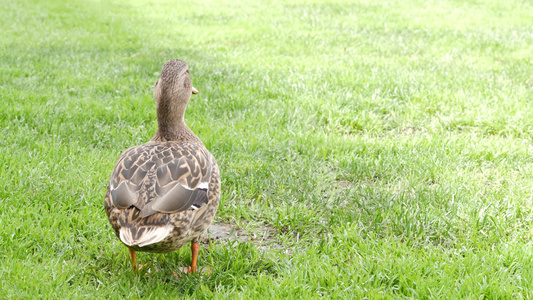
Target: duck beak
pixel 194 91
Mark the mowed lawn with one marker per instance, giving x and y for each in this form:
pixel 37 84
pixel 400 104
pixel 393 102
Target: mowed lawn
pixel 385 144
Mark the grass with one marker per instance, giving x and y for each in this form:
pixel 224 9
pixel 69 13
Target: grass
pixel 388 144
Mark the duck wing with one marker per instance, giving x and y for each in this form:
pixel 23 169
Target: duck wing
pixel 161 177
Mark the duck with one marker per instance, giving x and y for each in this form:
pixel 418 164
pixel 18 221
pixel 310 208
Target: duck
pixel 164 194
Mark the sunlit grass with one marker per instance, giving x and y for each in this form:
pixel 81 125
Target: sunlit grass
pixel 388 144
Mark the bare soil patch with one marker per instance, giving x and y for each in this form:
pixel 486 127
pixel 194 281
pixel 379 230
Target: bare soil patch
pixel 264 237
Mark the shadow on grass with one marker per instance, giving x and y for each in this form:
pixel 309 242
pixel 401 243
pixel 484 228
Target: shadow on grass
pixel 231 265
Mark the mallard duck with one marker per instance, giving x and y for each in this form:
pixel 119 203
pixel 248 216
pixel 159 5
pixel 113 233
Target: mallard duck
pixel 165 193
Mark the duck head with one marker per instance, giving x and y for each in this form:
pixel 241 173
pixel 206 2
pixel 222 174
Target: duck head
pixel 172 92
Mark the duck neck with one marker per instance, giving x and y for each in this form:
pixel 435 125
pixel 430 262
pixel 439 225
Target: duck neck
pixel 181 133
pixel 172 127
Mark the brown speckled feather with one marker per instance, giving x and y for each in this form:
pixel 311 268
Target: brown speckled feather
pixel 151 173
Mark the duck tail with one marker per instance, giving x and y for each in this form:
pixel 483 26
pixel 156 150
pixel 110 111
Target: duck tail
pixel 144 235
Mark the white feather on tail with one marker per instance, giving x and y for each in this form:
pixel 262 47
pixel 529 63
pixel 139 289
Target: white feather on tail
pixel 144 235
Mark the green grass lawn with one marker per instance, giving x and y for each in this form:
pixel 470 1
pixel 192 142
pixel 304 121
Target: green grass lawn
pixel 387 144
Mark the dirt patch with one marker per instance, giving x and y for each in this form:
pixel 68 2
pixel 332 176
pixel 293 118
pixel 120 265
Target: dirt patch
pixel 264 237
pixel 344 183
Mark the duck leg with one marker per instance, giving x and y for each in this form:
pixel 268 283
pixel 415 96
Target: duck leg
pixel 133 259
pixel 195 247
